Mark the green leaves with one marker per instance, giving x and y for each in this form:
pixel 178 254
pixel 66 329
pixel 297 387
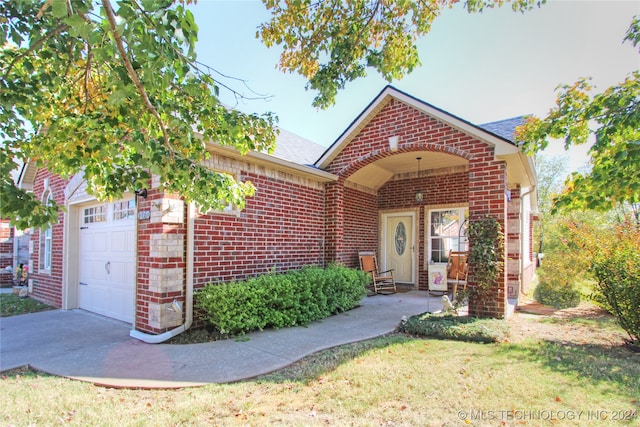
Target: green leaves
pixel 120 100
pixel 297 297
pixel 486 241
pixel 611 120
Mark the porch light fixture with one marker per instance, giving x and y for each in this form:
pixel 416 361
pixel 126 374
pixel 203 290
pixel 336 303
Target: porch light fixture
pixel 393 143
pixel 141 193
pixel 419 192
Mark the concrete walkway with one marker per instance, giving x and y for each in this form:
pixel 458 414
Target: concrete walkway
pixel 88 347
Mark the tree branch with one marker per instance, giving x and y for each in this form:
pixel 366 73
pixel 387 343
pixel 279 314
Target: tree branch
pixel 33 47
pixel 132 73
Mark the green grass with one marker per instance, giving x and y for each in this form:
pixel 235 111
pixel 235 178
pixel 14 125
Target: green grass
pixel 12 305
pixel 394 380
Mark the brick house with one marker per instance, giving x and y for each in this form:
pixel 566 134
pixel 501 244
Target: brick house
pixel 139 259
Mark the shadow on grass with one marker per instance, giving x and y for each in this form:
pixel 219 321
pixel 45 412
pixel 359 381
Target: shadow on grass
pixel 616 366
pixel 317 364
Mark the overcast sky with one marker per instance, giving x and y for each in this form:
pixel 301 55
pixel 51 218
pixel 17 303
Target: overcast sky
pixel 481 67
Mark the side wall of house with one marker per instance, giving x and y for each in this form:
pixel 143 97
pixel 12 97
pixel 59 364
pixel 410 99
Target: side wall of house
pixel 46 286
pixel 280 228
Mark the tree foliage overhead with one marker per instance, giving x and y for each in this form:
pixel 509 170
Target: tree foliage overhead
pixel 613 118
pixel 333 42
pixel 113 89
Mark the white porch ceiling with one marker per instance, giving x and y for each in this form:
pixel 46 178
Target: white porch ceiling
pixel 378 173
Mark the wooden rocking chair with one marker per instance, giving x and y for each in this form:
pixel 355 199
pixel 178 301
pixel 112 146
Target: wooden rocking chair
pixel 382 282
pixel 457 270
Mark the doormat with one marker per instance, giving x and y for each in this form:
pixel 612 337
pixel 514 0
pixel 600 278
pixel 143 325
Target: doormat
pixel 404 288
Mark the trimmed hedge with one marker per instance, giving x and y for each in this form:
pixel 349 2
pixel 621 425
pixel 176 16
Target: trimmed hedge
pixel 281 300
pixel 458 328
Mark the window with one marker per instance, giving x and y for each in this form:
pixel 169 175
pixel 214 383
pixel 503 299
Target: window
pixel 46 234
pixel 95 214
pixel 124 210
pixel 447 232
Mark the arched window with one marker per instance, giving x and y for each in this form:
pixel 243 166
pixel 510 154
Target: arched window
pixel 45 238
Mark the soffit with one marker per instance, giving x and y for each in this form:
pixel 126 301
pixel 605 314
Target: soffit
pixel 376 174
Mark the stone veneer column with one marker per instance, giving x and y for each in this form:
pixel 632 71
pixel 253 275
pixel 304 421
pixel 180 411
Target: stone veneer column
pixel 161 263
pixel 513 244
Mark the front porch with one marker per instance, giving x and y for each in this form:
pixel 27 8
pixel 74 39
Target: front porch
pixel 410 177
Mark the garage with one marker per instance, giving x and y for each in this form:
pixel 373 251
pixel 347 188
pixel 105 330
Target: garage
pixel 107 259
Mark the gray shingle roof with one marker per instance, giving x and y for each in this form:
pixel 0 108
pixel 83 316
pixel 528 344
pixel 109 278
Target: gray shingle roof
pixel 297 149
pixel 504 128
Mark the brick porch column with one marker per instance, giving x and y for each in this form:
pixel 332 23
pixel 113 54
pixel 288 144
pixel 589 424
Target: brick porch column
pixel 488 197
pixel 161 263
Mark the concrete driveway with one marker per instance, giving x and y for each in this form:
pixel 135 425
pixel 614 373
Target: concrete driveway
pixel 89 347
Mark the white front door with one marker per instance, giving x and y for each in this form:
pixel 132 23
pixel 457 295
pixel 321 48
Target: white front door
pixel 107 259
pixel 398 245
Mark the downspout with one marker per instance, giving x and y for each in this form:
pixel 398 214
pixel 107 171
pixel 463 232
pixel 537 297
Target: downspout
pixel 521 275
pixel 188 305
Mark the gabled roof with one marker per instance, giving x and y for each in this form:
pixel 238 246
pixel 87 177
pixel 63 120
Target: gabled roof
pixel 502 145
pixel 499 134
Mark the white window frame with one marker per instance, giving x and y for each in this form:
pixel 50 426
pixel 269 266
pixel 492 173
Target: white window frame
pixel 457 242
pixel 123 210
pixel 95 214
pixel 46 237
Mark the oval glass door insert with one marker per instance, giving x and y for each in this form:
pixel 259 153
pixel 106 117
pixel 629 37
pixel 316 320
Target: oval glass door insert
pixel 400 238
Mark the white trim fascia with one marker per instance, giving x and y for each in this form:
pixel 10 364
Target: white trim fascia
pixel 274 162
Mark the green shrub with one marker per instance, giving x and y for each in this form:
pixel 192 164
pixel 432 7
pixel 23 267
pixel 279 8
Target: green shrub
pixel 459 328
pixel 616 267
pixel 281 300
pixel 559 294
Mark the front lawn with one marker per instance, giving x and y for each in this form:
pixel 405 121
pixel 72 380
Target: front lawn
pixel 11 305
pixel 552 378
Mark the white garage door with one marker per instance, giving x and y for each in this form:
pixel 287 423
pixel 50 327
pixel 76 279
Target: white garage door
pixel 107 259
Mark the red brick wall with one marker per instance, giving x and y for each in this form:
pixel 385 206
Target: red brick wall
pixel 47 286
pixel 360 225
pixel 281 227
pixel 436 190
pixel 482 187
pixel 487 197
pixel 415 130
pixel 334 222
